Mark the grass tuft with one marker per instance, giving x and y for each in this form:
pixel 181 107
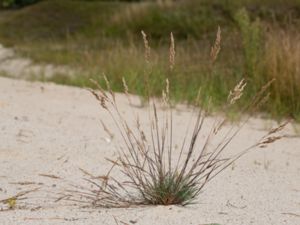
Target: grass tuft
pixel 155 171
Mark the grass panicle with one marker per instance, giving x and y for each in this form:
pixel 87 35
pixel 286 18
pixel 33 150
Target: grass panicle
pixel 172 52
pixel 216 48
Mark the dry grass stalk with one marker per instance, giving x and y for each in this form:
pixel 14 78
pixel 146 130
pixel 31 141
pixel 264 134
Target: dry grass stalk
pixel 166 93
pixel 237 92
pixel 110 134
pixel 172 52
pixel 147 47
pixel 125 86
pixel 216 48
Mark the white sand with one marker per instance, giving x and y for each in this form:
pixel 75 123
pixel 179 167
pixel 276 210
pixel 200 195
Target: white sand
pixel 15 66
pixel 51 129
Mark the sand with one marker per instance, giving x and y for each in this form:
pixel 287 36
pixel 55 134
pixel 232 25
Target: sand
pixel 14 65
pixel 51 129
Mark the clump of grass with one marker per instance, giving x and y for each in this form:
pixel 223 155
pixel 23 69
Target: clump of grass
pixel 282 56
pixel 153 173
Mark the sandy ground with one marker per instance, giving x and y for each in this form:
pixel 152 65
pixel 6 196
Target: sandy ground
pixel 51 129
pixel 15 66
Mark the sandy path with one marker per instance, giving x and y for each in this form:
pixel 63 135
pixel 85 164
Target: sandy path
pixel 15 66
pixel 51 129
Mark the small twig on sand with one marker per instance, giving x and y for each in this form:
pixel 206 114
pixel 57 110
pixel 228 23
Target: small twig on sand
pixel 291 214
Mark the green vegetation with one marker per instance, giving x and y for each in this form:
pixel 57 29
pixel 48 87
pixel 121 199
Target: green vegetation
pixel 260 42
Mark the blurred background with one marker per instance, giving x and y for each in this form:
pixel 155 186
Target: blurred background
pixel 260 41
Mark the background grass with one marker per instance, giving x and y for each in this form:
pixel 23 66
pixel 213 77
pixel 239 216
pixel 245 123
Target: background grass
pixel 259 41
